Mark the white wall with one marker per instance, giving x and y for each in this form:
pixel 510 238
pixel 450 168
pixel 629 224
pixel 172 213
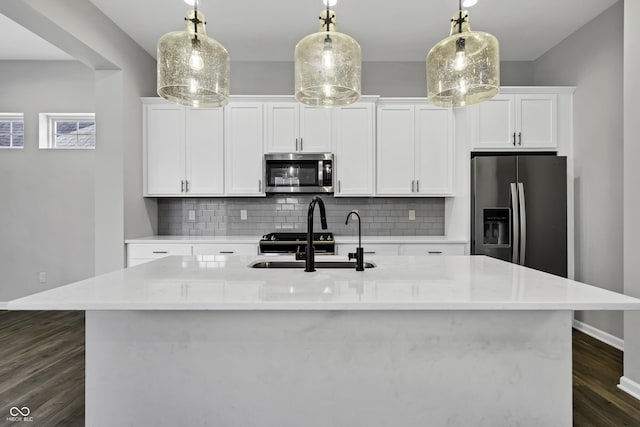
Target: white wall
pixel 591 60
pixel 631 193
pixel 46 196
pixel 378 78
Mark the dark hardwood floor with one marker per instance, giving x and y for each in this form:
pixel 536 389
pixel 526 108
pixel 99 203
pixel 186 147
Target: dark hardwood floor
pixel 42 368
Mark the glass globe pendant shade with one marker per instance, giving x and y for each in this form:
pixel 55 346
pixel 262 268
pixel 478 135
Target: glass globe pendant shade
pixel 193 69
pixel 328 67
pixel 464 68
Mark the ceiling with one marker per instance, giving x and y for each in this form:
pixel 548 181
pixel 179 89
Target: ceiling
pixel 404 30
pixel 18 43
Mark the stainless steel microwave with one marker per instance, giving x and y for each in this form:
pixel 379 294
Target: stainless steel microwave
pixel 298 173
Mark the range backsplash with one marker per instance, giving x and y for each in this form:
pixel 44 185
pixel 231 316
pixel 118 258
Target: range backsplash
pixel 221 216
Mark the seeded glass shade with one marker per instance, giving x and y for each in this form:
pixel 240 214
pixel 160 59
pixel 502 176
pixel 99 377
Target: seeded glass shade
pixel 464 68
pixel 193 69
pixel 328 68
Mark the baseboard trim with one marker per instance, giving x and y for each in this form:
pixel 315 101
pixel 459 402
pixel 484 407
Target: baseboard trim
pixel 630 387
pixel 599 334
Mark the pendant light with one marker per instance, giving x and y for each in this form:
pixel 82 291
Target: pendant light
pixel 464 68
pixel 328 65
pixel 193 69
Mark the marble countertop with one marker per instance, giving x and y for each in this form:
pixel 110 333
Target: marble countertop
pixel 256 239
pixel 222 282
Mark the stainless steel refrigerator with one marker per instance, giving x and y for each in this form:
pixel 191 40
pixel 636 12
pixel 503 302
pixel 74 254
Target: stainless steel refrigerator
pixel 519 210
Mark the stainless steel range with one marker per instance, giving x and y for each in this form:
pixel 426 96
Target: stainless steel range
pixel 294 243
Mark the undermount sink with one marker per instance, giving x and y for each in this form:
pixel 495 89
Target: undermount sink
pixel 300 264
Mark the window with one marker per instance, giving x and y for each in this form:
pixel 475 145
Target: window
pixel 64 131
pixel 11 130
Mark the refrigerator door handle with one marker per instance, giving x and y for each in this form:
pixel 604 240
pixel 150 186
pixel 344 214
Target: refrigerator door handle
pixel 515 215
pixel 523 223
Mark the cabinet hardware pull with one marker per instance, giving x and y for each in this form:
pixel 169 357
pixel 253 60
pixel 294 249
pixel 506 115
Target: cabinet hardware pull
pixel 301 146
pixel 514 139
pixel 339 186
pixel 417 185
pixel 187 185
pixel 413 186
pixel 160 252
pixel 182 185
pixel 520 138
pixel 259 186
pixel 297 144
pixel 435 252
pixel 227 252
pixel 370 252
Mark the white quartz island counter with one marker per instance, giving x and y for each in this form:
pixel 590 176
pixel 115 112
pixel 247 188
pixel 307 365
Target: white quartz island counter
pixel 397 283
pixel 416 341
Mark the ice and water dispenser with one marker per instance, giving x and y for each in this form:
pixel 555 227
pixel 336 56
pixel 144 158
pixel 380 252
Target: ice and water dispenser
pixel 497 226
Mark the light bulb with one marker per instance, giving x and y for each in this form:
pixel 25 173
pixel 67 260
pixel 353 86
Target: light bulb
pixel 463 87
pixel 195 61
pixel 460 62
pixel 193 86
pixel 327 54
pixel 327 91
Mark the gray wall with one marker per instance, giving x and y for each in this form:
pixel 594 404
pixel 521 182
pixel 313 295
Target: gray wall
pixel 46 196
pixel 378 78
pixel 591 59
pixel 631 193
pixel 221 216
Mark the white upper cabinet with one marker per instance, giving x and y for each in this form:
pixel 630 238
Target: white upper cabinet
pixel 243 148
pixel 355 147
pixel 516 121
pixel 415 150
pixel 292 127
pixel 183 150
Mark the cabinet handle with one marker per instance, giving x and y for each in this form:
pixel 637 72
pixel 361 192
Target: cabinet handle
pixel 520 138
pixel 160 252
pixel 187 185
pixel 339 186
pixel 297 144
pixel 259 185
pixel 417 185
pixel 514 139
pixel 435 252
pixel 369 252
pixel 182 185
pixel 301 146
pixel 227 252
pixel 413 186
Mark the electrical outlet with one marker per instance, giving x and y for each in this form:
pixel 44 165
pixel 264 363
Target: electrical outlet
pixel 192 215
pixel 412 215
pixel 43 277
pixel 243 214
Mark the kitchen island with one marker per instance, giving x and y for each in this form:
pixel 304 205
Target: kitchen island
pixel 415 341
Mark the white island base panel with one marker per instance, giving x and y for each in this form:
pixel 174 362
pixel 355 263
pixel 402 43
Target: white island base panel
pixel 328 368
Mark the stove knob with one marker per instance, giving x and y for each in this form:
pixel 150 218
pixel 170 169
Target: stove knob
pixel 273 237
pixel 321 237
pixel 329 238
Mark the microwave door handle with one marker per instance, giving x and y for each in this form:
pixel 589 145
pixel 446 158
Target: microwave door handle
pixel 515 241
pixel 523 223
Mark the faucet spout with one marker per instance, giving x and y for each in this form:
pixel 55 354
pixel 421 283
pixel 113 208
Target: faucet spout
pixel 359 254
pixel 310 251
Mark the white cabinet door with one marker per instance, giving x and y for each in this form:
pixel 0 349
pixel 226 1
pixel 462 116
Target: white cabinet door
pixel 205 151
pixel 495 123
pixel 355 144
pixel 243 149
pixel 433 151
pixel 315 129
pixel 536 120
pixel 395 150
pixel 164 149
pixel 282 127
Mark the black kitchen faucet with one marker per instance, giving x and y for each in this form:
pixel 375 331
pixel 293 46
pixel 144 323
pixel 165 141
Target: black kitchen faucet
pixel 310 264
pixel 359 253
